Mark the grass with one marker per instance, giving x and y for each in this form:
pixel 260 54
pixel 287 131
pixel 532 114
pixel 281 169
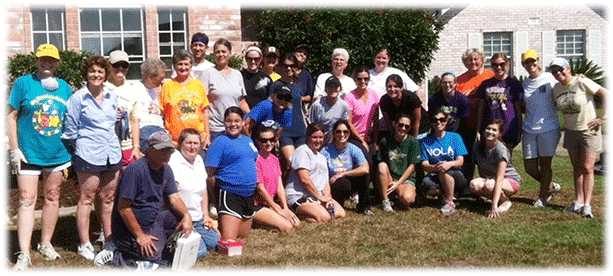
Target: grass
pixel 417 238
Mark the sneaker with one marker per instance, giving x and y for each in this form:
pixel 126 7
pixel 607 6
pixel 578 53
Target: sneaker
pixel 355 199
pixel 575 207
pixel 106 255
pixel 23 261
pixel 586 211
pixel 448 208
pixel 146 266
pixel 387 206
pixel 86 251
pixel 505 206
pixel 48 252
pixel 550 193
pixel 367 212
pixel 540 203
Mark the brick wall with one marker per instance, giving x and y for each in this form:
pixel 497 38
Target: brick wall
pixel 217 21
pixel 478 19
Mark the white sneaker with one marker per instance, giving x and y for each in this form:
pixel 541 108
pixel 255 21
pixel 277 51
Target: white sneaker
pixel 106 255
pixel 586 211
pixel 146 266
pixel 48 251
pixel 556 188
pixel 505 206
pixel 23 261
pixel 540 203
pixel 387 206
pixel 575 207
pixel 448 208
pixel 355 198
pixel 86 251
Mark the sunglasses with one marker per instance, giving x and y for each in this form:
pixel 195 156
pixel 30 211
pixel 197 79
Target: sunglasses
pixel 290 65
pixel 440 120
pixel 251 59
pixel 343 131
pixel 121 65
pixel 363 79
pixel 401 125
pixel 502 64
pixel 265 140
pixel 556 70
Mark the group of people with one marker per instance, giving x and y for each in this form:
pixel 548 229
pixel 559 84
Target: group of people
pixel 218 151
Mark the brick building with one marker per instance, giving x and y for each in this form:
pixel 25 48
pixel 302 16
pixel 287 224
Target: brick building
pixel 573 31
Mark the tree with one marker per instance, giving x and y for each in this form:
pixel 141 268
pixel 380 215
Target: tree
pixel 411 36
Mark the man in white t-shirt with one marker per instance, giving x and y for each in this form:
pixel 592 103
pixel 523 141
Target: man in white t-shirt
pixel 198 47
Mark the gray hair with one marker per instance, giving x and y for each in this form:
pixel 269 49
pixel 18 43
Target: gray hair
pixel 470 52
pixel 340 51
pixel 152 66
pixel 182 54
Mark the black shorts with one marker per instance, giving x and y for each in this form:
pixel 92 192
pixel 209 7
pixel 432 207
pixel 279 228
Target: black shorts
pixel 301 201
pixel 80 165
pixel 235 205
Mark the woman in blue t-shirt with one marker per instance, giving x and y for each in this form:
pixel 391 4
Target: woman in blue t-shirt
pixel 347 167
pixel 37 106
pixel 442 157
pixel 231 169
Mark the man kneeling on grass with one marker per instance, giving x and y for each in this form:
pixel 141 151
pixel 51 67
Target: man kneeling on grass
pixel 141 222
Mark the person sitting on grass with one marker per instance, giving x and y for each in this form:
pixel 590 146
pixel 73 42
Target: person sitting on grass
pixel 442 156
pixel 399 157
pixel 190 175
pixel 308 186
pixel 348 168
pixel 499 180
pixel 268 212
pixel 141 222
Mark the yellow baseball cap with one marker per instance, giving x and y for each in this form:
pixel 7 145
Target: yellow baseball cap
pixel 47 50
pixel 529 54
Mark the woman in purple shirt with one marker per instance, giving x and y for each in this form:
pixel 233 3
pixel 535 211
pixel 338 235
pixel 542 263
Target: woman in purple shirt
pixel 90 127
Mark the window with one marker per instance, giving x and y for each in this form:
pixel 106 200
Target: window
pixel 48 27
pixel 496 43
pixel 104 30
pixel 570 44
pixel 172 30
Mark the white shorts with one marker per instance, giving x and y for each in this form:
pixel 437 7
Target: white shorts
pixel 28 169
pixel 540 144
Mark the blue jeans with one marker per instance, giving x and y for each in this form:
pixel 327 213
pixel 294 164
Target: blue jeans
pixel 209 238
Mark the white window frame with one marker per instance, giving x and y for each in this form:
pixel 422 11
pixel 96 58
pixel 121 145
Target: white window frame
pixel 172 44
pixel 100 34
pixel 47 32
pixel 565 38
pixel 495 45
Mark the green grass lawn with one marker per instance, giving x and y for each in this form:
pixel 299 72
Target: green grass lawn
pixel 422 238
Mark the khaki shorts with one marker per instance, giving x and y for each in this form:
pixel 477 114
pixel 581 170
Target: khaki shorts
pixel 583 140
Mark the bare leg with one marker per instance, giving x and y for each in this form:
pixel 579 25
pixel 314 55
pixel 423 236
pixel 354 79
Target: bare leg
pixel 25 214
pixel 89 185
pixel 53 183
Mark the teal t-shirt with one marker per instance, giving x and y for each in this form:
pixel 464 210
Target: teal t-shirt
pixel 40 120
pixel 399 155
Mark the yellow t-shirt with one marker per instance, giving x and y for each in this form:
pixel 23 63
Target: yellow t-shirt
pixel 576 102
pixel 183 106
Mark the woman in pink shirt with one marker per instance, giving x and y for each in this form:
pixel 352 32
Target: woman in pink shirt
pixel 363 103
pixel 268 212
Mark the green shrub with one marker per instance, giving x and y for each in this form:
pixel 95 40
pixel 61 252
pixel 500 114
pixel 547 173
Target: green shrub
pixel 236 61
pixel 410 35
pixel 69 70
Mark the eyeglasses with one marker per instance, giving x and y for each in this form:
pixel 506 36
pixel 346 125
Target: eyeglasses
pixel 265 140
pixel 502 64
pixel 401 125
pixel 121 65
pixel 343 131
pixel 362 79
pixel 440 120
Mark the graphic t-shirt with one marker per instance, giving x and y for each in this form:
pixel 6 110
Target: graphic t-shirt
pixel 183 106
pixel 40 120
pixel 541 115
pixel 445 149
pixel 399 155
pixel 256 86
pixel 500 97
pixel 343 160
pixel 575 100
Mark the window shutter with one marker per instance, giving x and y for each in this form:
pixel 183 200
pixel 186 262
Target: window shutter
pixel 475 40
pixel 594 46
pixel 549 47
pixel 521 45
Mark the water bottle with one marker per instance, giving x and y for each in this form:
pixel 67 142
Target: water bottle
pixel 331 211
